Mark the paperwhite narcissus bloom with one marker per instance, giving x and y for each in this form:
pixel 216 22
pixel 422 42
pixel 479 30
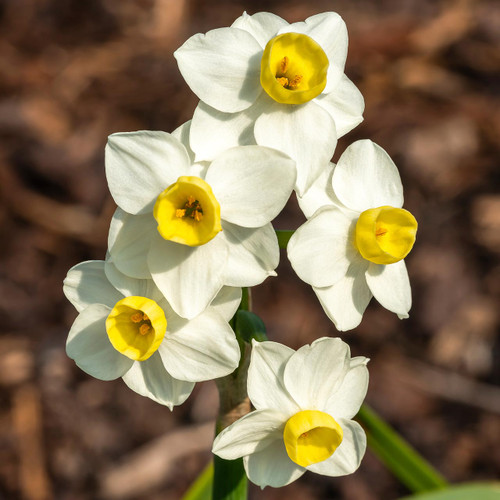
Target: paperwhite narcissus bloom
pixel 194 227
pixel 127 329
pixel 264 81
pixel 304 403
pixel 353 245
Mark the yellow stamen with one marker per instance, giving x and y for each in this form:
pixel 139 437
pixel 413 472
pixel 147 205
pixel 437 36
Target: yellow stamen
pixel 295 82
pixel 284 64
pixel 283 81
pixel 180 212
pixel 144 329
pixel 137 317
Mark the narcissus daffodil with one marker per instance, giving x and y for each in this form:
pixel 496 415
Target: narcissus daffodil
pixel 304 404
pixel 127 329
pixel 264 81
pixel 353 245
pixel 194 228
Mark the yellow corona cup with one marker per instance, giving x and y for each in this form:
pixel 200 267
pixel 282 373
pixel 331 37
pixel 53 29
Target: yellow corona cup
pixel 293 68
pixel 385 235
pixel 136 327
pixel 311 436
pixel 187 212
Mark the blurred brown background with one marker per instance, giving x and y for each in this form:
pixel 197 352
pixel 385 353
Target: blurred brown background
pixel 72 72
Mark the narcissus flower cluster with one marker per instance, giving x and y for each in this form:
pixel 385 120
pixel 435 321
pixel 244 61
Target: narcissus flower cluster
pixel 193 225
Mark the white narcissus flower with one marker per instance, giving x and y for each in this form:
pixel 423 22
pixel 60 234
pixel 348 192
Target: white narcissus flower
pixel 305 402
pixel 264 81
pixel 194 228
pixel 353 245
pixel 127 329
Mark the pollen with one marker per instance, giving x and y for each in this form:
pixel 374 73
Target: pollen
pixel 144 329
pixel 192 209
pixel 137 317
pixel 285 78
pixel 284 64
pixel 380 231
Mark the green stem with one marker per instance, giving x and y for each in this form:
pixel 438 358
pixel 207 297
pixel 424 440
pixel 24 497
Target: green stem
pixel 399 457
pixel 284 236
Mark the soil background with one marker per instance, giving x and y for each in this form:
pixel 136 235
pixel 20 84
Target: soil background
pixel 72 72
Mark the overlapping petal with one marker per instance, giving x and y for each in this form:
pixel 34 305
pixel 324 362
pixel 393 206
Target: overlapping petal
pixel 254 254
pixel 262 26
pixel 226 302
pixel 222 68
pixel 304 132
pixel 365 177
pixel 319 194
pixel 390 285
pixel 266 387
pixel 140 165
pixel 251 183
pixel 89 346
pixel 150 379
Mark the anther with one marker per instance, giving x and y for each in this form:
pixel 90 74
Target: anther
pixel 144 329
pixel 137 317
pixel 180 212
pixel 283 81
pixel 284 64
pixel 295 82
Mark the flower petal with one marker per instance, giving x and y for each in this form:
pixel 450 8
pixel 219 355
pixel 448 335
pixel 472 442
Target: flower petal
pixel 87 284
pixel 329 30
pixel 253 254
pixel 129 240
pixel 266 388
pixel 222 68
pixel 189 277
pixel 203 348
pixel 390 285
pixel 140 165
pixel 319 194
pixel 347 457
pixel 150 379
pixel 366 177
pixel 305 132
pixel 251 183
pixel 182 133
pixel 321 250
pixel 345 104
pixel 262 26
pixel 272 466
pixel 213 132
pixel 346 301
pixel 253 432
pixel 347 400
pixel 89 346
pixel 226 302
pixel 315 372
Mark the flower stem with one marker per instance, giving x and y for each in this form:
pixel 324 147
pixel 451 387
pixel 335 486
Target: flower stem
pixel 284 236
pixel 399 457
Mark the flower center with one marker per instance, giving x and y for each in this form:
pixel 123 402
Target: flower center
pixel 385 235
pixel 187 212
pixel 293 68
pixel 136 327
pixel 311 436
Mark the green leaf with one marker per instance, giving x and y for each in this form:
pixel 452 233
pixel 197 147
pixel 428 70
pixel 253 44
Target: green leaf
pixel 249 326
pixel 201 489
pixel 468 491
pixel 284 236
pixel 230 480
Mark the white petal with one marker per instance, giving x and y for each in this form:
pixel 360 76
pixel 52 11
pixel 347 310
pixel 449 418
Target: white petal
pixel 347 400
pixel 320 192
pixel 182 133
pixel 227 301
pixel 321 250
pixel 262 26
pixel 305 132
pixel 253 432
pixel 345 104
pixel 390 285
pixel 87 284
pixel 131 286
pixel 366 177
pixel 213 132
pixel 150 379
pixel 251 183
pixel 347 457
pixel 266 388
pixel 203 348
pixel 346 301
pixel 253 254
pixel 328 30
pixel 140 165
pixel 315 372
pixel 129 240
pixel 222 68
pixel 272 466
pixel 189 277
pixel 88 344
